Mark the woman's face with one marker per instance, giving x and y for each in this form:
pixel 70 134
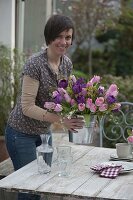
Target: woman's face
pixel 60 45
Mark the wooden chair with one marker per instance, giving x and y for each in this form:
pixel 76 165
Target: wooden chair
pixel 114 127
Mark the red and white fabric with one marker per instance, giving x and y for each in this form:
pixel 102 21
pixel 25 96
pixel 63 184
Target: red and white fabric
pixel 107 170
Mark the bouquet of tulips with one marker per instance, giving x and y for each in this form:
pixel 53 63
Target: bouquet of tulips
pixel 77 96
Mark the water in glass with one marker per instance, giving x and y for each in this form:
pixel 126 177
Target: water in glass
pixel 44 155
pixel 64 160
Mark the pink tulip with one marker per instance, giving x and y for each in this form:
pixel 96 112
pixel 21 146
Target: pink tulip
pixel 61 91
pixel 84 92
pixel 58 108
pixel 95 79
pixel 99 101
pixel 89 84
pixel 130 139
pixel 67 97
pixel 93 107
pixel 55 93
pixel 81 106
pixel 103 107
pixel 49 105
pixel 88 103
pixel 116 106
pixel 112 91
pixel 72 102
pixel 73 79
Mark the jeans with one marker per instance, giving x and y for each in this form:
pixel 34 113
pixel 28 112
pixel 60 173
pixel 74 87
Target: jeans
pixel 22 150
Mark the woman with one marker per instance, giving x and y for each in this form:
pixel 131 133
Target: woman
pixel 29 119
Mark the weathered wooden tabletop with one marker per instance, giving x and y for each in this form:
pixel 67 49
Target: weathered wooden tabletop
pixel 82 183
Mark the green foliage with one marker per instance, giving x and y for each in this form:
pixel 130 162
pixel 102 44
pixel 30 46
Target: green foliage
pixel 119 45
pixel 79 74
pixel 124 84
pixel 5 86
pixel 109 61
pixel 19 59
pixel 80 59
pixel 116 55
pixel 114 62
pixel 90 16
pixel 9 82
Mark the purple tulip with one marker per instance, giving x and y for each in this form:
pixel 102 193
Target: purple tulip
pixel 63 83
pixel 101 90
pixel 111 99
pixel 80 99
pixel 58 99
pixel 80 81
pixel 76 88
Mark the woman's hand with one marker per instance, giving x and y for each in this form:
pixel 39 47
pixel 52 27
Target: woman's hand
pixel 73 123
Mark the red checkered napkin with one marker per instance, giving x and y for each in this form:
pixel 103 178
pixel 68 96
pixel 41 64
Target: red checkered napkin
pixel 107 170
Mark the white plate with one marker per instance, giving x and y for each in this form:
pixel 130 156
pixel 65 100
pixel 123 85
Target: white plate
pixel 115 157
pixel 127 166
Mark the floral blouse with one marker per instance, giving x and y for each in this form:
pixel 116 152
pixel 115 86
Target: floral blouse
pixel 37 67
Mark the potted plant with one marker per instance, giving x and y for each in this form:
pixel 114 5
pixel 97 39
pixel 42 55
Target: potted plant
pixel 9 85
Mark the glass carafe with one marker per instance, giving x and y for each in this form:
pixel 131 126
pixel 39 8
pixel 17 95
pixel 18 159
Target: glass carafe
pixel 44 155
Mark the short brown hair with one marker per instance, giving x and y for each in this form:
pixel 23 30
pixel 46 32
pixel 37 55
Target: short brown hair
pixel 55 25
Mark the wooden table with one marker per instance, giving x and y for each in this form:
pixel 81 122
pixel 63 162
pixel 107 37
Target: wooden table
pixel 83 183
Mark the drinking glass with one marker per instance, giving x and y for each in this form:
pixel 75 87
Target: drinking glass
pixel 64 160
pixel 44 155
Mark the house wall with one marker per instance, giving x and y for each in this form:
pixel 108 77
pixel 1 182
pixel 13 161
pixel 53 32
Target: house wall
pixel 30 20
pixel 36 13
pixel 7 22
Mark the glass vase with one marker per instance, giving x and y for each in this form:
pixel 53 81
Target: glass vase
pixel 84 135
pixel 44 155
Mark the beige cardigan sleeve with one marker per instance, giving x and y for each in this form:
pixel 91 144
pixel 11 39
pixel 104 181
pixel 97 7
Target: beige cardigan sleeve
pixel 29 92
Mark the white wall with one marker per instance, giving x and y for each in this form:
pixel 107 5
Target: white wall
pixel 19 39
pixel 31 16
pixel 7 22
